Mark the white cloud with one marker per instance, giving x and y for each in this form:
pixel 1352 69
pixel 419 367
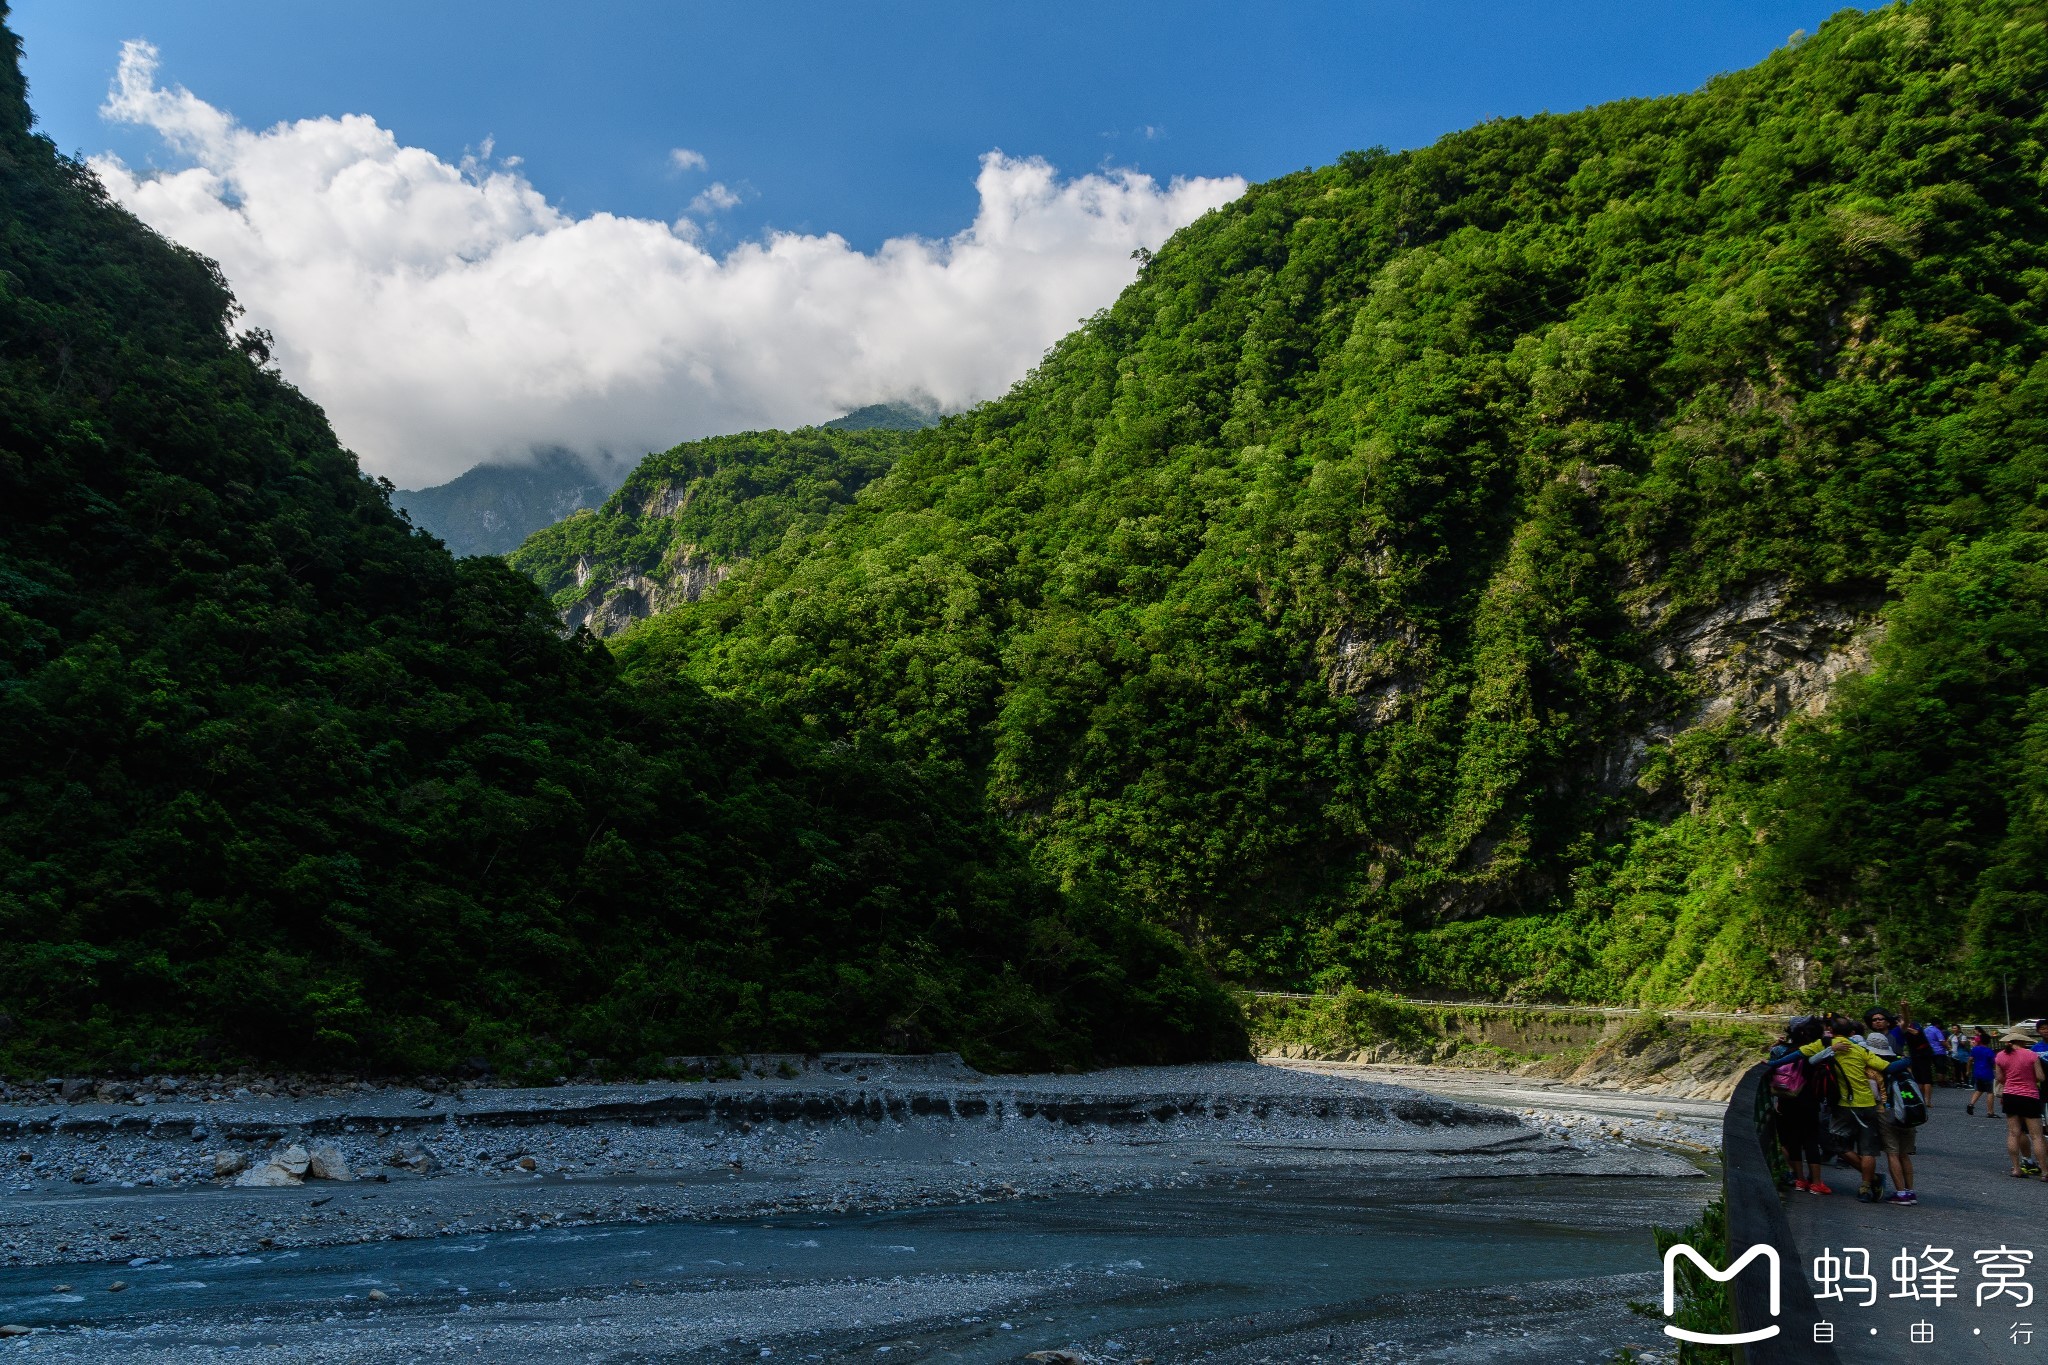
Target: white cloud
pixel 683 159
pixel 445 314
pixel 715 199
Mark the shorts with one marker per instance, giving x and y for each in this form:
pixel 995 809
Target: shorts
pixel 1983 1082
pixel 1855 1130
pixel 1900 1139
pixel 2021 1106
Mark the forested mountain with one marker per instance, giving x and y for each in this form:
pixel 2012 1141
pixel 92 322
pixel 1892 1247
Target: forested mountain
pixel 1595 556
pixel 282 780
pixel 686 516
pixel 491 508
pixel 899 416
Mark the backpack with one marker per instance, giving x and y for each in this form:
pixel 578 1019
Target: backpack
pixel 1788 1078
pixel 1828 1082
pixel 1908 1107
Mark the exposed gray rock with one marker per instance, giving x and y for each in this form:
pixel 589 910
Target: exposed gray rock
pixel 269 1175
pixel 1767 657
pixel 1762 659
pixel 325 1162
pixel 286 1168
pixel 611 604
pixel 1378 670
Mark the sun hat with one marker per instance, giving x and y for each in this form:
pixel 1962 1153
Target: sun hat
pixel 2015 1035
pixel 1879 1044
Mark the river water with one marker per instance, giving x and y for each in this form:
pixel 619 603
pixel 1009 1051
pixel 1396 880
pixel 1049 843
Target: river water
pixel 1289 1264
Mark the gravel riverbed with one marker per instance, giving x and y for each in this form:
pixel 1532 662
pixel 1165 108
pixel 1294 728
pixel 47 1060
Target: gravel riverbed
pixel 128 1194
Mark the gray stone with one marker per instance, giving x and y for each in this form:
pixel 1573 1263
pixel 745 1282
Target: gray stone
pixel 326 1162
pixel 270 1175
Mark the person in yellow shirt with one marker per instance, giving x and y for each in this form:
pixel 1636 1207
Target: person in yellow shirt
pixel 1852 1118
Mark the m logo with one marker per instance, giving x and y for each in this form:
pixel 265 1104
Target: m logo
pixel 1768 1252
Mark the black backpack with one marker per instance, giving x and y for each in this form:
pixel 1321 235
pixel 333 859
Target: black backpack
pixel 1912 1104
pixel 1827 1082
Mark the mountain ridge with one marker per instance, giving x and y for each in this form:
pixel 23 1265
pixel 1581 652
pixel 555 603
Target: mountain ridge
pixel 490 508
pixel 1479 569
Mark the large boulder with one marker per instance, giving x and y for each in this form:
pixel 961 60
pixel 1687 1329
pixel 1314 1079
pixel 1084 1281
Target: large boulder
pixel 268 1175
pixel 288 1167
pixel 326 1162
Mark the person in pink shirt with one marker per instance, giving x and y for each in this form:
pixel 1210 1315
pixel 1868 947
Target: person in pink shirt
pixel 2019 1085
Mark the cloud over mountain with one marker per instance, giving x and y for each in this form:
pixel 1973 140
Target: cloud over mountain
pixel 447 313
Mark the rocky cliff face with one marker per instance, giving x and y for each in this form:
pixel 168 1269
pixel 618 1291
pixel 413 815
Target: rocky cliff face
pixel 1768 656
pixel 611 604
pixel 1754 664
pixel 1757 661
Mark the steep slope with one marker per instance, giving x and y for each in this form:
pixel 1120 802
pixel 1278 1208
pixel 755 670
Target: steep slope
pixel 282 780
pixel 1411 578
pixel 490 509
pixel 686 516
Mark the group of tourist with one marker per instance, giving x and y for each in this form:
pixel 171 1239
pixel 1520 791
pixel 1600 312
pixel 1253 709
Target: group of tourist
pixel 1853 1093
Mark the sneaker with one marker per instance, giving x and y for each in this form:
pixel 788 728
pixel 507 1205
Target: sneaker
pixel 1801 1186
pixel 1970 1108
pixel 1818 1187
pixel 1866 1195
pixel 1902 1197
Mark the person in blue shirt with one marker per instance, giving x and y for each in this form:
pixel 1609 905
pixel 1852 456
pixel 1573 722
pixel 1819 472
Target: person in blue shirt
pixel 1982 1052
pixel 1937 1042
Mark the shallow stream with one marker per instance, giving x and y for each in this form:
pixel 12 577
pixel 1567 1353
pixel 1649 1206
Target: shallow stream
pixel 1150 1270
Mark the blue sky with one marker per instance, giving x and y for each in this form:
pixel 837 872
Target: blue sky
pixel 867 119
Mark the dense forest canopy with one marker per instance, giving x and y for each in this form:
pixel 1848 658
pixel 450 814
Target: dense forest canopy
pixel 1595 556
pixel 282 780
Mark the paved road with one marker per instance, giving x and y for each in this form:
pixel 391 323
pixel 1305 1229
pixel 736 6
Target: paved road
pixel 1968 1203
